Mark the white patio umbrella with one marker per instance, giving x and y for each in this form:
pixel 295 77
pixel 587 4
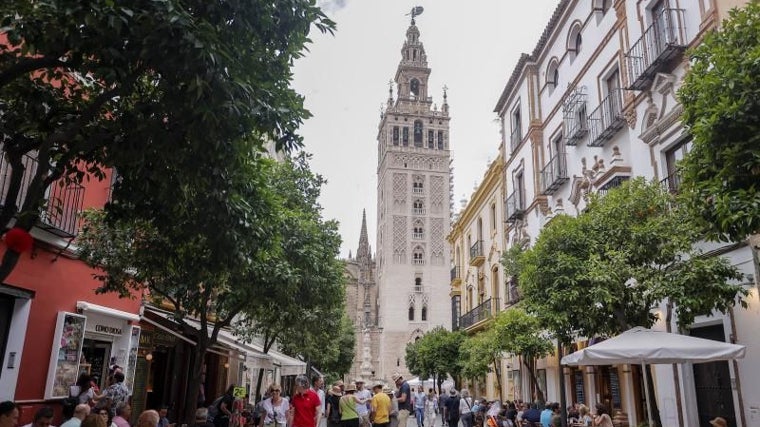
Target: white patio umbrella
pixel 645 346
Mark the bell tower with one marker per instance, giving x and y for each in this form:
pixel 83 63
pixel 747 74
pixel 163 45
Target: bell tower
pixel 413 208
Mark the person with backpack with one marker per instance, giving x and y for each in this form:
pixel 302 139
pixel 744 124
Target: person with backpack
pixel 452 408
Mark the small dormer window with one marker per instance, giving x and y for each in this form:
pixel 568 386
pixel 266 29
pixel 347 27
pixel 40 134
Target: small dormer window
pixel 414 87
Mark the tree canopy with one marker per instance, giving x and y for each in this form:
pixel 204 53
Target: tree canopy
pixel 157 89
pixel 721 102
pixel 605 271
pixel 435 355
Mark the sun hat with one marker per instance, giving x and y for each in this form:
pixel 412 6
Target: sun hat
pixel 335 390
pixel 453 392
pixel 396 376
pixel 350 387
pixel 387 390
pixel 719 422
pixel 358 381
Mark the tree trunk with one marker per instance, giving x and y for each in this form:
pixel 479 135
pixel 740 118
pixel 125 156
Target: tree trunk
pixel 497 371
pixel 194 383
pixel 534 379
pixel 258 383
pixel 562 396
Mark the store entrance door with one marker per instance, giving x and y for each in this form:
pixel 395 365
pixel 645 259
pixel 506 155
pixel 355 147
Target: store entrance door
pixel 6 312
pixel 712 382
pixel 95 357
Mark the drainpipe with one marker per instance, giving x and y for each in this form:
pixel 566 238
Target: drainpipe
pixel 737 380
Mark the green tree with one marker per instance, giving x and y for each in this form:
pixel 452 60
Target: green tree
pixel 304 284
pixel 141 84
pixel 520 334
pixel 202 255
pixel 479 352
pixel 720 175
pixel 435 355
pixel 606 270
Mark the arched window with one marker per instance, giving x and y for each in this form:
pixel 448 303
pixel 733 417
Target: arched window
pixel 411 312
pixel 418 230
pixel 414 87
pixel 578 42
pixel 440 140
pixel 424 313
pixel 418 256
pixel 395 135
pixel 431 139
pixel 574 39
pixel 418 207
pixel 418 184
pixel 418 133
pixel 552 74
pixel 418 281
pixel 405 135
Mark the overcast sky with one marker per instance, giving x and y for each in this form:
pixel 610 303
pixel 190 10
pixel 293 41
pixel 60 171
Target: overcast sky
pixel 472 47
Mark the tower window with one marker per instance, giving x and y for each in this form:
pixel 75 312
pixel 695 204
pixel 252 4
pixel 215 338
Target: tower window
pixel 395 135
pixel 424 313
pixel 440 140
pixel 406 136
pixel 414 87
pixel 411 312
pixel 418 133
pixel 431 139
pixel 418 281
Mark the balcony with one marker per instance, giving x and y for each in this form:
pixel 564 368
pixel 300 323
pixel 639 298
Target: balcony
pixel 418 211
pixel 513 293
pixel 418 261
pixel 653 51
pixel 515 138
pixel 418 289
pixel 613 183
pixel 456 276
pixel 60 215
pixel 418 236
pixel 476 254
pixel 574 116
pixel 482 312
pixel 417 190
pixel 515 206
pixel 672 183
pixel 554 174
pixel 607 119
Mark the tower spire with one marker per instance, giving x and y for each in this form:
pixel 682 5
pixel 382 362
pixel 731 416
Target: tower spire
pixel 362 253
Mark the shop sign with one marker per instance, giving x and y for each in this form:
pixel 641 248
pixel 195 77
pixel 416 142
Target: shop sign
pixel 238 392
pixel 105 325
pixel 105 329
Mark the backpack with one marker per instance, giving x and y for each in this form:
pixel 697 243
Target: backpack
pixel 213 410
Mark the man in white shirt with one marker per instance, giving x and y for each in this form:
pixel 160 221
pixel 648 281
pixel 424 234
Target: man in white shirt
pixel 317 382
pixel 363 408
pixel 80 412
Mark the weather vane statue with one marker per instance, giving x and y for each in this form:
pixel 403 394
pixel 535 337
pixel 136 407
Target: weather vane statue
pixel 416 11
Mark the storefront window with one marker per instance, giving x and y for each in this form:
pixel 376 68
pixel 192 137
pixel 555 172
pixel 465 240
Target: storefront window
pixel 67 350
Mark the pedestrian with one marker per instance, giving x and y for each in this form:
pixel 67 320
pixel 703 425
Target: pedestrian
pixel 116 393
pixel 148 418
pixel 224 408
pixel 381 407
pixel 404 399
pixel 394 407
pixel 8 414
pixel 103 413
pixel 80 412
pixel 419 399
pixel 452 408
pixel 602 418
pixel 303 405
pixel 349 417
pixel 93 420
pixel 123 414
pixel 274 408
pixel 332 406
pixel 584 417
pixel 42 418
pixel 317 382
pixel 431 407
pixel 87 391
pixel 465 408
pixel 163 420
pixel 362 409
pixel 442 408
pixel 201 418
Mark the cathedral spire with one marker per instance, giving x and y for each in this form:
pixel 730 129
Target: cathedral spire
pixel 363 252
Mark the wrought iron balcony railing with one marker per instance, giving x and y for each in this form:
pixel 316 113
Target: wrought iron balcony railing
pixel 513 293
pixel 672 183
pixel 484 311
pixel 455 273
pixel 515 138
pixel 613 183
pixel 476 250
pixel 60 215
pixel 660 43
pixel 607 119
pixel 554 174
pixel 515 206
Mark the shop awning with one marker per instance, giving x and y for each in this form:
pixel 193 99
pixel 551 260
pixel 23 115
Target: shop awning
pixel 255 358
pixel 288 365
pixel 107 311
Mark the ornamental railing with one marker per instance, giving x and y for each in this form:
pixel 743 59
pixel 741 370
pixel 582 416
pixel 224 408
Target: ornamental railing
pixel 660 43
pixel 483 311
pixel 554 174
pixel 607 119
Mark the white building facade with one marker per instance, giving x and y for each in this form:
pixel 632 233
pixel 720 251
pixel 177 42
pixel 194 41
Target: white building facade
pixel 413 211
pixel 592 106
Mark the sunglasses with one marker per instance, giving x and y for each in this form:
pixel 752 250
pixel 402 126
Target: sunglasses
pixel 276 391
